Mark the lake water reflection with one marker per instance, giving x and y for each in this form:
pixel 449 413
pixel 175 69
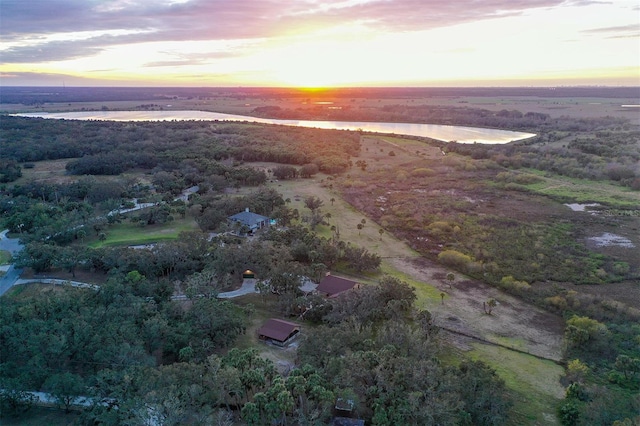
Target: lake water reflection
pixel 440 132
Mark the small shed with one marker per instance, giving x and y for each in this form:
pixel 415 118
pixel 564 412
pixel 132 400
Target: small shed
pixel 331 286
pixel 248 274
pixel 278 332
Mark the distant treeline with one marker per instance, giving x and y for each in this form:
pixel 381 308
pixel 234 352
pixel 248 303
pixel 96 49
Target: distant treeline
pixel 445 115
pixel 41 95
pixel 112 148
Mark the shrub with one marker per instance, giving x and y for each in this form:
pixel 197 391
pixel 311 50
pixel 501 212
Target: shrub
pixel 618 172
pixel 557 302
pixel 576 371
pixel 422 172
pixel 440 227
pixel 510 283
pixel 526 179
pixel 454 259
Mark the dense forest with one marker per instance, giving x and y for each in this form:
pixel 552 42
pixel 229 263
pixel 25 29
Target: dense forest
pixel 139 353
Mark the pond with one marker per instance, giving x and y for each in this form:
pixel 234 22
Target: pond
pixel 444 133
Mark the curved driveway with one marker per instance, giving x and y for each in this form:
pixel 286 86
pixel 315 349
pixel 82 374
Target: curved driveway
pixel 13 246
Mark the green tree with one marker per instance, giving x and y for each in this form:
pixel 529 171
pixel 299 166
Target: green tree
pixel 65 388
pixel 483 393
pixel 627 365
pixel 38 256
pixel 313 203
pixel 489 305
pixel 251 414
pixel 309 170
pixel 576 371
pixel 361 259
pixel 450 278
pixel 14 401
pixel 581 330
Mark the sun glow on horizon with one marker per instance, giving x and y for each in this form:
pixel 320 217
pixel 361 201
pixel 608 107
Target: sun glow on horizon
pixel 599 48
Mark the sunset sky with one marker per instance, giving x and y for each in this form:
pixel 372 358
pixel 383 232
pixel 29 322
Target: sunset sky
pixel 316 43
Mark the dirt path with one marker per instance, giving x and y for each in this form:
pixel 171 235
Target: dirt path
pixel 513 324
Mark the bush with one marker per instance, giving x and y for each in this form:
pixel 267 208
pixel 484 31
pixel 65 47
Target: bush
pixel 618 173
pixel 510 283
pixel 309 170
pixel 526 179
pixel 422 172
pixel 440 227
pixel 569 413
pixel 454 259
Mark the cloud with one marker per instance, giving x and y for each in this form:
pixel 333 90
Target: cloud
pixel 622 31
pixel 221 20
pixel 54 51
pixel 43 79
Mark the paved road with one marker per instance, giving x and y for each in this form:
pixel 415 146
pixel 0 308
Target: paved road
pixel 248 286
pixel 9 279
pixel 13 246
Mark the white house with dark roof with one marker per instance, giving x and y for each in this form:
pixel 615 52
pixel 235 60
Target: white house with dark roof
pixel 252 221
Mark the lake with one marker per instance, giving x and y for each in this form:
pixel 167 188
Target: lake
pixel 439 132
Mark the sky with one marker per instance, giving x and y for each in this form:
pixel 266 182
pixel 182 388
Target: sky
pixel 319 43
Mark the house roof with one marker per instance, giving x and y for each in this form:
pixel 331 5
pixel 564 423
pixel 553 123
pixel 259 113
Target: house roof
pixel 249 218
pixel 277 329
pixel 333 285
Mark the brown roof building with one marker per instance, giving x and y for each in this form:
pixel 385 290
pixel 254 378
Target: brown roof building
pixel 332 286
pixel 278 331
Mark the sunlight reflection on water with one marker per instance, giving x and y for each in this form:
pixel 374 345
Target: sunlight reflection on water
pixel 440 132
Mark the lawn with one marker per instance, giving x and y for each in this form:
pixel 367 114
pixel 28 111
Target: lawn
pixel 534 383
pixel 5 257
pixel 129 234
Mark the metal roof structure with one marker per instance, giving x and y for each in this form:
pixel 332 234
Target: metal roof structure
pixel 332 285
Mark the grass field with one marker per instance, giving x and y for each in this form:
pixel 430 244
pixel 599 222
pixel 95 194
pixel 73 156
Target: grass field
pixel 583 190
pixel 5 257
pixel 128 234
pixel 534 383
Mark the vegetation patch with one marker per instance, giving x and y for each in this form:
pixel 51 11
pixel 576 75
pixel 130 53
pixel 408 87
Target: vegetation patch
pixel 535 383
pixel 130 234
pixel 5 257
